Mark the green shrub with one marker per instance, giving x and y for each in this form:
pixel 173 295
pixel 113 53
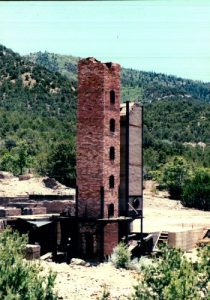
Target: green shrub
pixel 20 279
pixel 196 191
pixel 173 276
pixel 142 263
pixel 121 256
pixel 155 175
pixel 175 174
pixel 60 162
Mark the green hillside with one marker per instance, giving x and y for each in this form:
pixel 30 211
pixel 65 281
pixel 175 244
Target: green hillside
pixel 136 85
pixel 37 113
pixel 38 105
pixel 28 86
pixel 176 110
pixel 64 64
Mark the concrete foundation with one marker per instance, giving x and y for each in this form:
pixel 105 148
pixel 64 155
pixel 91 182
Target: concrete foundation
pixel 185 240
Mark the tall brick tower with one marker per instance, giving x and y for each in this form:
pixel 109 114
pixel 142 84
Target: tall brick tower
pixel 98 139
pixel 98 154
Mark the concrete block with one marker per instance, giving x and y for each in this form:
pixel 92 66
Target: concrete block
pixel 185 240
pixel 32 252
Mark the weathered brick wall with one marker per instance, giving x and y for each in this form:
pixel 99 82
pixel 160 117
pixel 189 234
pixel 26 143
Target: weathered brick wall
pixel 94 138
pixel 110 237
pixel 40 210
pixel 112 139
pixel 59 206
pixel 9 211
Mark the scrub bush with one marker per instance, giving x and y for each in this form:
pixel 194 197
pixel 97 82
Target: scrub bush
pixel 196 191
pixel 121 256
pixel 173 276
pixel 21 279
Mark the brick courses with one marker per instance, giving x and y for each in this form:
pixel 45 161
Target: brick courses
pixel 94 138
pixel 59 206
pixel 110 237
pixel 9 211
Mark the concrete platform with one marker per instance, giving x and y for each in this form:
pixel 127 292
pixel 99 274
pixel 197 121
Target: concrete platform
pixel 180 235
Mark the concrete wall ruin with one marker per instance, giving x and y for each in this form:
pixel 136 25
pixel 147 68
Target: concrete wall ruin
pixel 134 133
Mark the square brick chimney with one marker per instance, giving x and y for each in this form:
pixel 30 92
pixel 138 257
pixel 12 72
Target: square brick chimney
pixel 98 158
pixel 98 139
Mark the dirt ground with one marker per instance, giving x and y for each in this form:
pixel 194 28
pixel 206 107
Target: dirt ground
pixel 88 283
pixel 164 214
pixel 11 186
pixel 160 213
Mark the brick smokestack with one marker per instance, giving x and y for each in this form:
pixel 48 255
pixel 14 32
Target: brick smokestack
pixel 98 139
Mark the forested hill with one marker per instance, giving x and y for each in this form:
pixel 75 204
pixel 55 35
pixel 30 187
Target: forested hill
pixel 38 104
pixel 28 86
pixel 176 109
pixel 137 85
pixel 37 118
